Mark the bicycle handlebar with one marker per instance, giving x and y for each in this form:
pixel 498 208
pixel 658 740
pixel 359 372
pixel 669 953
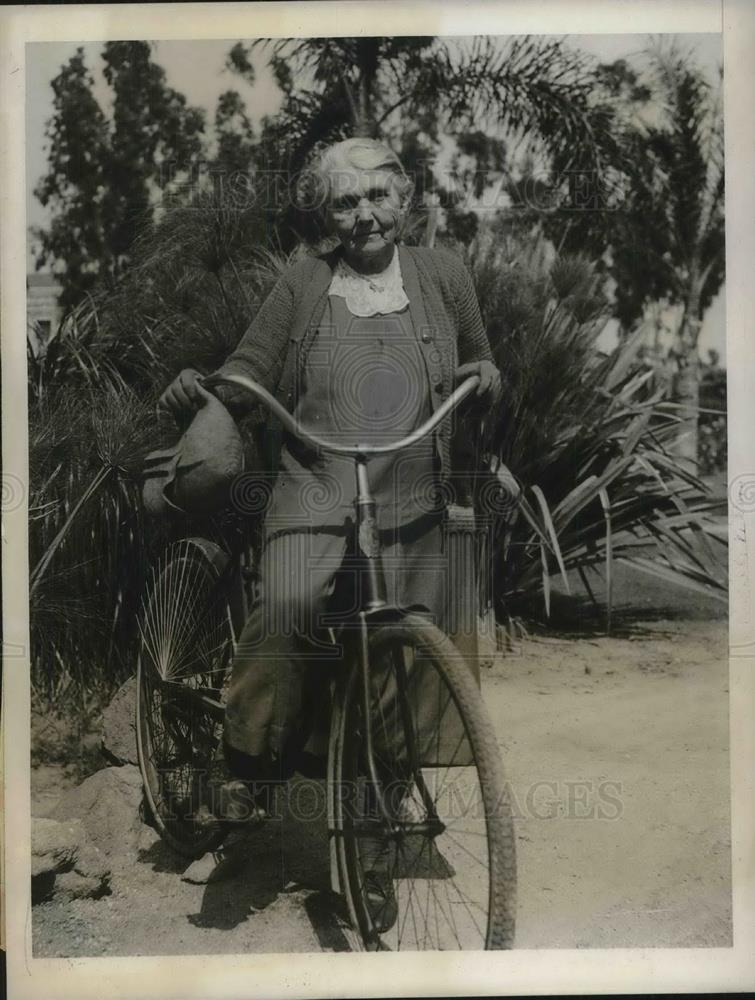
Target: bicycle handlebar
pixel 357 450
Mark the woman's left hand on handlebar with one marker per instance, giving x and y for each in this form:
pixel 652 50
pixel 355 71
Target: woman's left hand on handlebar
pixel 185 395
pixel 490 378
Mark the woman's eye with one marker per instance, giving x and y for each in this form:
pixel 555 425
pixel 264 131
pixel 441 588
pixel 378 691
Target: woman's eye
pixel 348 207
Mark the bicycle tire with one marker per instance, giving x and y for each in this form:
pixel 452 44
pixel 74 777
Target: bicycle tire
pixel 499 894
pixel 187 638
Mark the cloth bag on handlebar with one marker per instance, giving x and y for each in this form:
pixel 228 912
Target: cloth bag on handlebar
pixel 195 475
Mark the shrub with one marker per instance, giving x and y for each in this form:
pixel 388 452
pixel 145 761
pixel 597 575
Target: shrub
pixel 586 438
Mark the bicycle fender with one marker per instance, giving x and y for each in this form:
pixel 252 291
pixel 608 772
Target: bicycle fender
pixel 222 563
pixel 213 553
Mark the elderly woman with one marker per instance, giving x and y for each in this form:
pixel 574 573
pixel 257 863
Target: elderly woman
pixel 363 342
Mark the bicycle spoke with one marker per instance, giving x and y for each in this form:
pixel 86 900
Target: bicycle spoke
pixel 186 639
pixel 452 919
pixel 465 849
pixel 410 907
pixel 465 903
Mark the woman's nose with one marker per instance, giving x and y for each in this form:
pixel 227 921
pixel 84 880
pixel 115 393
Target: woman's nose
pixel 364 211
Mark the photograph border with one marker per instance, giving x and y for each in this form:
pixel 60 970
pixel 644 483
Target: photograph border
pixel 356 975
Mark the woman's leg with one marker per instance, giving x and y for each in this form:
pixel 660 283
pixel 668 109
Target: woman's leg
pixel 416 558
pixel 281 639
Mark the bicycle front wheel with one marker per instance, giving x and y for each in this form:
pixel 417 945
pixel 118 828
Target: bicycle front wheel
pixel 429 826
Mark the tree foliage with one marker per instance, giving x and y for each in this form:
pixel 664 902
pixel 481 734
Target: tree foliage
pixel 658 223
pixel 234 133
pixel 74 187
pixel 674 228
pixel 410 90
pixel 106 171
pixel 653 219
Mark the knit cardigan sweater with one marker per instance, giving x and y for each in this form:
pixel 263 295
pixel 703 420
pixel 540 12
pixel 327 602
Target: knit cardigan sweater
pixel 444 311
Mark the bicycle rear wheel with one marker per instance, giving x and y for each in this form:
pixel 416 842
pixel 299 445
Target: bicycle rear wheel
pixel 186 646
pixel 447 847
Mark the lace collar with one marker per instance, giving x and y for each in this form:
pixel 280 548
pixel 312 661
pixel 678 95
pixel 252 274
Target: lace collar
pixel 369 294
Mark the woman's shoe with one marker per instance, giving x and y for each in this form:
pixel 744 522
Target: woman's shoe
pixel 228 802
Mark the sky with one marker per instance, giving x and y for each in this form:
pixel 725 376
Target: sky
pixel 196 69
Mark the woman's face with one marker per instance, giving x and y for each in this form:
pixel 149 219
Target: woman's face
pixel 364 211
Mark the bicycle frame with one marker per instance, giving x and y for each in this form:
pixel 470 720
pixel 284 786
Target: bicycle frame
pixel 366 507
pixel 375 605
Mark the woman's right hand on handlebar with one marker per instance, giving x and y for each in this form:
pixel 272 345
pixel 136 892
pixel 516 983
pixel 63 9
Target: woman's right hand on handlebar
pixel 185 395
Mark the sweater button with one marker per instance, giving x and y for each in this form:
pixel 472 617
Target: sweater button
pixel 427 338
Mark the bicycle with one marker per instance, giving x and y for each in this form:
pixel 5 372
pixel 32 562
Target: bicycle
pixel 413 761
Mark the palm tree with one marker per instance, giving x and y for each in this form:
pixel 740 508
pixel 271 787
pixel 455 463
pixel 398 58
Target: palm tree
pixel 656 225
pixel 686 196
pixel 666 237
pixel 526 81
pixel 408 90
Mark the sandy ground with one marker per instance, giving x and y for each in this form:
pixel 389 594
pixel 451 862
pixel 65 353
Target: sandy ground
pixel 616 751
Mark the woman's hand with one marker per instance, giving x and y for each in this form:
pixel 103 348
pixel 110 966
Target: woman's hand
pixel 185 395
pixel 490 379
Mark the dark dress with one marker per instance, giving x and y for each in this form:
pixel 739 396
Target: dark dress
pixel 365 380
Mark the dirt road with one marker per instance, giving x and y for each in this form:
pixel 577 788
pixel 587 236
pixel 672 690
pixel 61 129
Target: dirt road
pixel 617 755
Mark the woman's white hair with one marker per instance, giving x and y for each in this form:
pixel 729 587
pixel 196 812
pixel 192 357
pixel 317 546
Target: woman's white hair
pixel 329 171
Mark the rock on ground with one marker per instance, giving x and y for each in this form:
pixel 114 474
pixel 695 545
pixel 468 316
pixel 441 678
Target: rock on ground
pixel 119 725
pixel 108 805
pixel 64 861
pixel 54 845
